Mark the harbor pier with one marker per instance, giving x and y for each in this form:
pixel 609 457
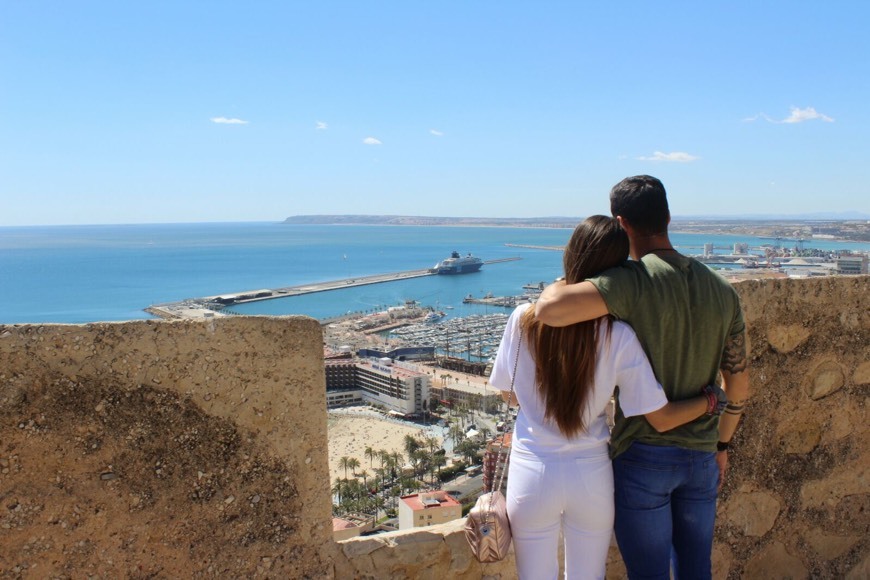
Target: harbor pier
pixel 211 305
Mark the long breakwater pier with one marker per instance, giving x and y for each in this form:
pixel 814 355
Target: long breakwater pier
pixel 211 305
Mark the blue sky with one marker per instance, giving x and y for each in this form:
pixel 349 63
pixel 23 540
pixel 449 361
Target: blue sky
pixel 143 112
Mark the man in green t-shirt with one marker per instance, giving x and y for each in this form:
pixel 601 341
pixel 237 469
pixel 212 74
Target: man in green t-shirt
pixel 690 324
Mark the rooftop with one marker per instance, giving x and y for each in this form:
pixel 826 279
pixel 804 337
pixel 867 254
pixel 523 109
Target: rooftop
pixel 422 501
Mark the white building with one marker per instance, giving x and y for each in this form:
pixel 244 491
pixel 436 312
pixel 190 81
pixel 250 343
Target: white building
pixel 852 264
pixel 395 386
pixel 427 509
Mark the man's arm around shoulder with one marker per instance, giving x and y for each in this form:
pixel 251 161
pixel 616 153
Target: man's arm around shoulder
pixel 562 304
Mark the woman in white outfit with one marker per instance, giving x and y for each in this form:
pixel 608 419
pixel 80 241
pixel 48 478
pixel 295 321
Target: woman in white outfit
pixel 559 475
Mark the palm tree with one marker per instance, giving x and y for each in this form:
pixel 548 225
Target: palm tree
pixel 431 444
pixel 439 460
pixel 397 460
pixel 381 474
pixel 411 444
pixel 468 449
pixel 370 453
pixel 410 484
pixel 351 500
pixel 419 461
pixel 378 503
pixel 344 463
pixel 395 493
pixel 397 457
pixel 456 434
pixel 365 477
pixel 353 463
pixel 337 488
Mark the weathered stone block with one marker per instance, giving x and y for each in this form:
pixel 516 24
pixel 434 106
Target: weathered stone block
pixel 785 338
pixel 826 378
pixel 829 546
pixel 721 561
pixel 861 376
pixel 774 561
pixel 799 435
pixel 354 547
pixel 460 556
pixel 843 481
pixel 861 571
pixel 753 513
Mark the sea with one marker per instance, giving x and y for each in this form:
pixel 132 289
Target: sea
pixel 81 274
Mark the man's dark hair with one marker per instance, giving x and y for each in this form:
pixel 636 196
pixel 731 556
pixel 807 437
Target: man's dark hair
pixel 642 202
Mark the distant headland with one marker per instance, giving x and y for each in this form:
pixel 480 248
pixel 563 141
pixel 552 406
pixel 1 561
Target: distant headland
pixel 855 228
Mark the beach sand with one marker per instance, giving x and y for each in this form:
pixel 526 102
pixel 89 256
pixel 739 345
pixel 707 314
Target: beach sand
pixel 352 430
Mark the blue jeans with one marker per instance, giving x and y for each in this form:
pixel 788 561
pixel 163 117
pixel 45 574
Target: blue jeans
pixel 665 507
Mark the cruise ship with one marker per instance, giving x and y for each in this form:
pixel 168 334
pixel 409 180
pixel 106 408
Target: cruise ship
pixel 457 264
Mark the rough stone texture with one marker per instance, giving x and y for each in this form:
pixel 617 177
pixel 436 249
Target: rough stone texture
pixel 828 546
pixel 435 553
pixel 774 561
pixel 843 481
pixel 827 377
pixel 754 513
pixel 862 374
pixel 722 560
pixel 803 439
pixel 861 571
pixel 198 449
pixel 785 338
pixel 800 435
pixel 168 449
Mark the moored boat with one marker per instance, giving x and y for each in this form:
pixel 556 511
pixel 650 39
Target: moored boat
pixel 457 264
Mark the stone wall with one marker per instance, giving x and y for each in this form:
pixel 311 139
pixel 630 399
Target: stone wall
pixel 164 449
pixel 199 449
pixel 796 501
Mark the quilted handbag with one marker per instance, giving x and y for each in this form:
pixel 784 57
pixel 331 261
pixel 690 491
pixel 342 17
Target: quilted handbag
pixel 487 528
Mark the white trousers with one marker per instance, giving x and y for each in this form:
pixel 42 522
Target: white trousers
pixel 571 493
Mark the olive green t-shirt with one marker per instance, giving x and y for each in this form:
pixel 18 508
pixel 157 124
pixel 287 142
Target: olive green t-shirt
pixel 683 314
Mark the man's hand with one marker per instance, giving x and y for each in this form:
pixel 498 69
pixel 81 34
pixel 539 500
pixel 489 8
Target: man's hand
pixel 722 462
pixel 717 400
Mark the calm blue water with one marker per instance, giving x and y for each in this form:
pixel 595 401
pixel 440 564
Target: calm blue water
pixel 102 273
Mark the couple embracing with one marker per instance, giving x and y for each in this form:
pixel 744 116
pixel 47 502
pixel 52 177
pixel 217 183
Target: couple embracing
pixel 656 332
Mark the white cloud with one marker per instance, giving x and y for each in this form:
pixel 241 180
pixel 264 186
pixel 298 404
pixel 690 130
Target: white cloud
pixel 436 132
pixel 757 117
pixel 321 126
pixel 797 115
pixel 228 121
pixel 371 141
pixel 676 156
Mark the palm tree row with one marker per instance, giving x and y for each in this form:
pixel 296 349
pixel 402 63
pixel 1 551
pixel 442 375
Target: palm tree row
pixel 392 478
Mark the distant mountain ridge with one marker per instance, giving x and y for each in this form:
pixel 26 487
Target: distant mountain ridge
pixel 824 215
pixel 430 220
pixel 845 226
pixel 547 221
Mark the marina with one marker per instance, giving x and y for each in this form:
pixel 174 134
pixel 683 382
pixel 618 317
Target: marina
pixel 474 338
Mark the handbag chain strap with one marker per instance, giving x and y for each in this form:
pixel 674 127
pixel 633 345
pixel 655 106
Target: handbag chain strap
pixel 507 429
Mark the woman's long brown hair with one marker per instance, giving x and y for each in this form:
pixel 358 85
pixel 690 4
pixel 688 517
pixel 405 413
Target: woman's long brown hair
pixel 565 357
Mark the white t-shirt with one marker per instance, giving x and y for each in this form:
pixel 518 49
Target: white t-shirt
pixel 620 361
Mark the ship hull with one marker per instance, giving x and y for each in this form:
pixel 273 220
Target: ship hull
pixel 456 264
pixel 464 269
